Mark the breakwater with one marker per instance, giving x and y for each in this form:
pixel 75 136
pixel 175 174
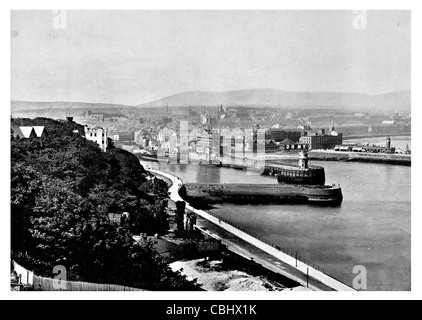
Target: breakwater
pixel 200 194
pixel 285 173
pixel 281 262
pixel 328 155
pixel 380 135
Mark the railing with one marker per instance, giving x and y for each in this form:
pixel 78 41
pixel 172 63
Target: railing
pixel 321 276
pixel 48 284
pixel 290 253
pixel 29 279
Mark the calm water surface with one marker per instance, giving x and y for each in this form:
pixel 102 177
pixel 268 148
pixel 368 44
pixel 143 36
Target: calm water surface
pixel 371 228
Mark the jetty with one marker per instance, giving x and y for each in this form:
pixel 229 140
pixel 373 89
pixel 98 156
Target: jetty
pixel 348 156
pixel 211 193
pixel 244 244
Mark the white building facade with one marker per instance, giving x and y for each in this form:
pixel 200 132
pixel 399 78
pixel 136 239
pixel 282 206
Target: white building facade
pixel 98 135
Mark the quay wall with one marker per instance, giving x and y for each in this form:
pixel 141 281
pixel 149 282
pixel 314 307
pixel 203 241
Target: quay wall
pixel 284 172
pixel 249 193
pixel 313 176
pixel 328 155
pixel 291 261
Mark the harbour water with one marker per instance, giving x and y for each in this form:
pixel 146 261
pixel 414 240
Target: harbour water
pixel 371 228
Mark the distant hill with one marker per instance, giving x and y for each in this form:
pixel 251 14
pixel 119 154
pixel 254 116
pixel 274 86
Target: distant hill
pixel 19 106
pixel 277 98
pixel 247 98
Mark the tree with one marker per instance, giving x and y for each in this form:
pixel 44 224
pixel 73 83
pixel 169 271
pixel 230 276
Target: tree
pixel 61 195
pixel 25 188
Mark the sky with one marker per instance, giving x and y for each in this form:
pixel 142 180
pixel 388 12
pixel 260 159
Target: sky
pixel 134 57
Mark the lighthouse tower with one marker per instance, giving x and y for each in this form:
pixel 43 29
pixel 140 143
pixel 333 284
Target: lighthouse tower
pixel 303 160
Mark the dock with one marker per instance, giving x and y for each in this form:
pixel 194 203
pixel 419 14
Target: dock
pixel 250 247
pixel 331 155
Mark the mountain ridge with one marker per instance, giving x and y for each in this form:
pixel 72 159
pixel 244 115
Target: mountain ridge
pixel 23 105
pixel 267 97
pixel 281 98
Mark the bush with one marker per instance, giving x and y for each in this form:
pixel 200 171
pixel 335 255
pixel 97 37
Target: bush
pixel 61 195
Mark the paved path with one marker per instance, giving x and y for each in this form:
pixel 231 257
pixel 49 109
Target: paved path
pixel 249 251
pixel 245 245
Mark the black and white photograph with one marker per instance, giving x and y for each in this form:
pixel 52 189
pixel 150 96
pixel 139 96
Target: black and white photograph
pixel 258 151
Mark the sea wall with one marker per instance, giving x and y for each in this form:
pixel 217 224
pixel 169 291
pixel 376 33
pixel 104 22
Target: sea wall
pixel 202 194
pixel 329 155
pixel 291 261
pixel 314 276
pixel 287 174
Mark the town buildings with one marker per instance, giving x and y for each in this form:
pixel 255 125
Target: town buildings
pixel 322 140
pixel 98 135
pixel 124 136
pixel 288 145
pixel 278 134
pixel 356 147
pixel 95 116
pixel 32 133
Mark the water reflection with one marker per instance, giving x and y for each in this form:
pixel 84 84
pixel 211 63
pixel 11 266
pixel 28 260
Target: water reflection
pixel 372 227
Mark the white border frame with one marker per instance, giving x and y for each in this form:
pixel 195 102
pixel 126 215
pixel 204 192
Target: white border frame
pixel 5 292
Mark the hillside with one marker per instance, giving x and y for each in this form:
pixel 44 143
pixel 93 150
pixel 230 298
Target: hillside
pixel 63 191
pixel 19 106
pixel 277 98
pixel 251 98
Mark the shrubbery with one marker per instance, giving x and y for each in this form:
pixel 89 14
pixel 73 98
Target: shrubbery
pixel 61 195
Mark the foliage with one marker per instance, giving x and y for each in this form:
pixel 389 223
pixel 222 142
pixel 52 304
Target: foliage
pixel 61 195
